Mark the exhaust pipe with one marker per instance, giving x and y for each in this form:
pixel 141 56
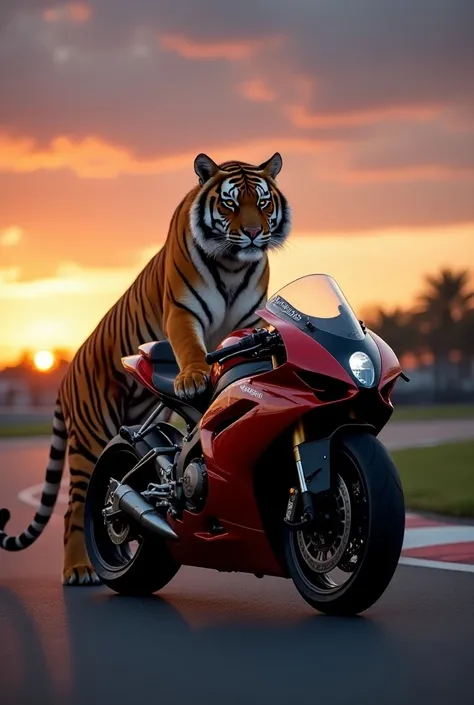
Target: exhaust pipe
pixel 136 506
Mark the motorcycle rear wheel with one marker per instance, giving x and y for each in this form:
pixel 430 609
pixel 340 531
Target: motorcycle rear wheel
pixel 151 566
pixel 367 510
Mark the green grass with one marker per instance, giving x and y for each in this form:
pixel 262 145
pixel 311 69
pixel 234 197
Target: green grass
pixel 438 479
pixel 44 428
pixel 401 413
pixel 421 413
pixel 26 429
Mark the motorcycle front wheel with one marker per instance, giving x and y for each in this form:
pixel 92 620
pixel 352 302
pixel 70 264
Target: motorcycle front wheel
pixel 126 558
pixel 343 564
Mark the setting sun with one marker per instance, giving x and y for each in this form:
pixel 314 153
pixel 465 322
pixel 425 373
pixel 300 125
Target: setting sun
pixel 44 360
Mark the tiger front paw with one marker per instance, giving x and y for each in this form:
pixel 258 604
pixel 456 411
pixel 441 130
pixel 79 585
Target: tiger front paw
pixel 191 381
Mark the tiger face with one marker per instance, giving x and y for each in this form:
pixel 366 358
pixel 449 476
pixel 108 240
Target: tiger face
pixel 239 212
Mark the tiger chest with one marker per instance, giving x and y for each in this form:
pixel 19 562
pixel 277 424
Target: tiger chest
pixel 223 300
pixel 220 312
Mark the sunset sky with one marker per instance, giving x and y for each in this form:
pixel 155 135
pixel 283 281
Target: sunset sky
pixel 104 105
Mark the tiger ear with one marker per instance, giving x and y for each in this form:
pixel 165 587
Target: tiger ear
pixel 273 165
pixel 205 168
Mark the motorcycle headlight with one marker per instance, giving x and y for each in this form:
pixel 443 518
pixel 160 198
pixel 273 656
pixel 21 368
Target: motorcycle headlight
pixel 362 368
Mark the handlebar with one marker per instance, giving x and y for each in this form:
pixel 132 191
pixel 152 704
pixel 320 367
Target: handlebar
pixel 253 341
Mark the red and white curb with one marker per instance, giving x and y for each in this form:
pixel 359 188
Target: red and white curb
pixel 427 544
pixel 436 544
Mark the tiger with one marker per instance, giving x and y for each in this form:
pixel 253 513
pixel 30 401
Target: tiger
pixel 208 279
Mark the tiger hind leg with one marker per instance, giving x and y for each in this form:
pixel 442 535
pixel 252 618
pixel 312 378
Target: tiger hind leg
pixel 77 569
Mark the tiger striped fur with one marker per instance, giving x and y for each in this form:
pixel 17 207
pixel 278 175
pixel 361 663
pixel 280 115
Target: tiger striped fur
pixel 206 281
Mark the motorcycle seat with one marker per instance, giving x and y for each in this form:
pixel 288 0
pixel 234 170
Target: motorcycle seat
pixel 157 351
pixel 165 371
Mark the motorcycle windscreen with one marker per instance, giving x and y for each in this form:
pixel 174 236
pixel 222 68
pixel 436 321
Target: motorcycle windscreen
pixel 316 303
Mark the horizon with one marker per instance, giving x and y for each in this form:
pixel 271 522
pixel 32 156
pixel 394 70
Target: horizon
pixel 47 359
pixel 103 114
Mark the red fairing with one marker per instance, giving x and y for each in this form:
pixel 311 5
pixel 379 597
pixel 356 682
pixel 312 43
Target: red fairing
pixel 236 429
pixel 305 353
pixel 218 368
pixel 141 369
pixel 391 367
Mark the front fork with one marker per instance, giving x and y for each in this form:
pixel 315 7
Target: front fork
pixel 308 514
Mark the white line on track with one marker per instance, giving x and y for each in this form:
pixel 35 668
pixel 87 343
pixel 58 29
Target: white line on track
pixel 440 565
pixel 32 495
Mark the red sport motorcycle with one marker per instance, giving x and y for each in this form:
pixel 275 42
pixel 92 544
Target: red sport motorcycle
pixel 279 472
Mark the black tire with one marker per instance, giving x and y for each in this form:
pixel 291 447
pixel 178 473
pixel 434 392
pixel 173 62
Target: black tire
pixel 381 517
pixel 152 566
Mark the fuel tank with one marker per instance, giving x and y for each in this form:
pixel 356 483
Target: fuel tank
pixel 219 368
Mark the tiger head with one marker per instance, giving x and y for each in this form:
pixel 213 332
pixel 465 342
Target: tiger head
pixel 239 212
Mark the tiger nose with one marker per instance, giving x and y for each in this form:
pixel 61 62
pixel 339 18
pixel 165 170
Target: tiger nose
pixel 252 232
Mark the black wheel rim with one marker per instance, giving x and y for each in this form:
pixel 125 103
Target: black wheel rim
pixel 328 559
pixel 112 557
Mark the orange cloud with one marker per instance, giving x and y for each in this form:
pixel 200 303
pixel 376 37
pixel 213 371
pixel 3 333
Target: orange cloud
pixel 76 12
pixel 230 50
pixel 93 157
pixel 80 11
pixel 11 236
pixel 61 310
pixel 302 118
pixel 51 14
pixel 90 157
pixel 256 90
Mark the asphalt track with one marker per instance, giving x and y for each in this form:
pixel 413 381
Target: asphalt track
pixel 225 638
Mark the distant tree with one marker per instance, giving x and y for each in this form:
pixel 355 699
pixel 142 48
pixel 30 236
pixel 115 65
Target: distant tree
pixel 396 327
pixel 466 333
pixel 447 298
pixel 440 311
pixel 63 354
pixel 465 340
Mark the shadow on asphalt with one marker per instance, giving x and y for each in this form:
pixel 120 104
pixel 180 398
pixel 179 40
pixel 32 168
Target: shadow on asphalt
pixel 24 666
pixel 99 647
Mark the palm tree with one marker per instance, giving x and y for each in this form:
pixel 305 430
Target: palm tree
pixel 447 297
pixel 465 340
pixel 440 310
pixel 396 328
